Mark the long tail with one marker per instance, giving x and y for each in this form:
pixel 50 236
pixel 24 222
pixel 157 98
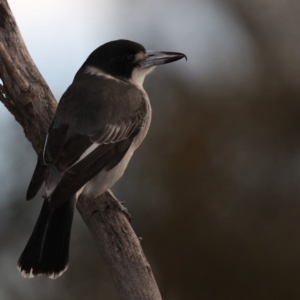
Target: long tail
pixel 47 251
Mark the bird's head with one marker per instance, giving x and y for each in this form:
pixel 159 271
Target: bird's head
pixel 126 60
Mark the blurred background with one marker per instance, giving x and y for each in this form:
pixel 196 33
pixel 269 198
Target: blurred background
pixel 214 189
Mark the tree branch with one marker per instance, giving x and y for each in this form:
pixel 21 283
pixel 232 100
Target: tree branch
pixel 27 96
pixel 119 246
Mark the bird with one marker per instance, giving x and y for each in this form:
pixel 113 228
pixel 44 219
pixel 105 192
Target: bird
pixel 100 121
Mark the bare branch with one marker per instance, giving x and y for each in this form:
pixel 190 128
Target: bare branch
pixel 27 96
pixel 128 265
pixel 17 77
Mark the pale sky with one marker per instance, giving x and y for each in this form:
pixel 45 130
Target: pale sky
pixel 60 34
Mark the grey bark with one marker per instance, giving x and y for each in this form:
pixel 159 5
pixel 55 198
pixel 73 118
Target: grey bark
pixel 119 246
pixel 27 96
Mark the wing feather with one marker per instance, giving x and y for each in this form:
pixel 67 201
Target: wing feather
pixel 106 156
pixel 93 110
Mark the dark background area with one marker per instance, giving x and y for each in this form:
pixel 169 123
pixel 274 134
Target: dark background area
pixel 214 189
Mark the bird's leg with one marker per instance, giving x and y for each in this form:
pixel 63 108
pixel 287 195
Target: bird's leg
pixel 119 205
pixel 105 204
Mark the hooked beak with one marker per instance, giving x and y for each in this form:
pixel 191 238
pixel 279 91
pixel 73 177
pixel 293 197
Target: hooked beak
pixel 155 58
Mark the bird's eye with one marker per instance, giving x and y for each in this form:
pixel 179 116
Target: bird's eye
pixel 129 57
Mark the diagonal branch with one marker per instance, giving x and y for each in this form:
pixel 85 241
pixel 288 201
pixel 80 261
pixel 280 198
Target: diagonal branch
pixel 120 247
pixel 16 75
pixel 27 96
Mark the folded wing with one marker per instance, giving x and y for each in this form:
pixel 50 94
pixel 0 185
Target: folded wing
pixel 93 129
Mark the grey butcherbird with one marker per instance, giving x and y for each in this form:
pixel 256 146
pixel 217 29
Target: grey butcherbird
pixel 100 121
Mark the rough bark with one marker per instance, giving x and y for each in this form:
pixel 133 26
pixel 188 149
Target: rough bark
pixel 25 93
pixel 128 264
pixel 27 96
